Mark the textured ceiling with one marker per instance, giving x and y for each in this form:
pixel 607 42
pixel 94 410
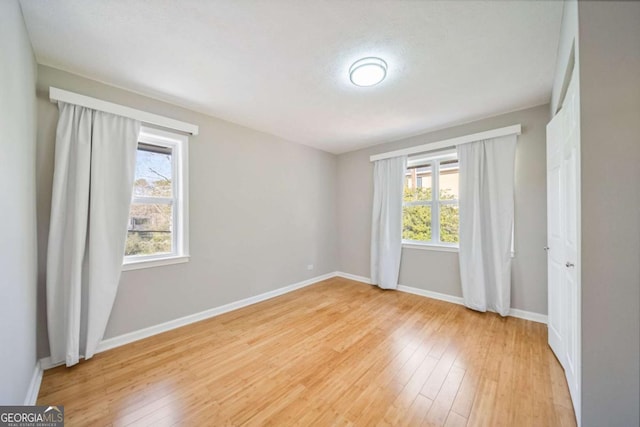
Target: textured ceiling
pixel 281 66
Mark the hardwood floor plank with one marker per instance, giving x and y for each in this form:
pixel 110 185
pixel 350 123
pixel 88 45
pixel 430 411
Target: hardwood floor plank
pixel 432 386
pixel 466 394
pixel 482 413
pixel 335 353
pixel 439 411
pixel 417 411
pixel 455 420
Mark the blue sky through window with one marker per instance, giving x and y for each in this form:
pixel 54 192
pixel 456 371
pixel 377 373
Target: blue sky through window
pixel 148 162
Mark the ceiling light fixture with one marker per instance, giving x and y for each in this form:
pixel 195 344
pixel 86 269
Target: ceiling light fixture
pixel 368 71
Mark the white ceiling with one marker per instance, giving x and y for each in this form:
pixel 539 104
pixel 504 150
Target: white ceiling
pixel 281 66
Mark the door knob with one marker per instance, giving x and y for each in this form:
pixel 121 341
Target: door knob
pixel 546 248
pixel 570 264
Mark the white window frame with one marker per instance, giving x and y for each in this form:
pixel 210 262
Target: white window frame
pixel 179 145
pixel 434 159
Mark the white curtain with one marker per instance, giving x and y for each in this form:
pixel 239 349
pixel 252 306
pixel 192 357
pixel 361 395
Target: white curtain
pixel 486 222
pixel 386 222
pixel 94 170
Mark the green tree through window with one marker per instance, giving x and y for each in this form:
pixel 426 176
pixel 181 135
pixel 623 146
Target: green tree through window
pixel 419 206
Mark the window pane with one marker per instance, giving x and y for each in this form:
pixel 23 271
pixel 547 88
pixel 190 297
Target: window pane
pixel 449 223
pixel 149 229
pixel 153 171
pixel 449 178
pixel 417 184
pixel 416 223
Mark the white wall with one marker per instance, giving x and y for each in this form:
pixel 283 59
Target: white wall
pixel 609 34
pixel 439 271
pixel 261 210
pixel 17 204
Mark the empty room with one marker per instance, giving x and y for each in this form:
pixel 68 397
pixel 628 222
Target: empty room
pixel 319 213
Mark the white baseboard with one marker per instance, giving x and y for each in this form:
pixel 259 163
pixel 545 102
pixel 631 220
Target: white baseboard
pixel 430 294
pixel 46 363
pixel 118 341
pixel 514 312
pixel 528 315
pixel 353 277
pixel 34 386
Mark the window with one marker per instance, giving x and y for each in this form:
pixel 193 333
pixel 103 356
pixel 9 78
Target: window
pixel 430 203
pixel 157 231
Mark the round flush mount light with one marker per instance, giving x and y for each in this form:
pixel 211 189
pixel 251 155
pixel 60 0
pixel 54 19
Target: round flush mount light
pixel 368 71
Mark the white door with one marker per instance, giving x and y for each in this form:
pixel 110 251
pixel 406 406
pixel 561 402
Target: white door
pixel 563 238
pixel 556 294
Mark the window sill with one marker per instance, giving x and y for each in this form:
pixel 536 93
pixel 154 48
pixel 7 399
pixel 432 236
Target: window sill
pixel 156 262
pixel 430 247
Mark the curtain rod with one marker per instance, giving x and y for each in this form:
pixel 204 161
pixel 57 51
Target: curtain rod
pixel 447 143
pixel 56 94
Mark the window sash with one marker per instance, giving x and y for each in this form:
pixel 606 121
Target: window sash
pixel 435 202
pixel 175 250
pixel 430 202
pixel 163 142
pixel 153 200
pixel 154 148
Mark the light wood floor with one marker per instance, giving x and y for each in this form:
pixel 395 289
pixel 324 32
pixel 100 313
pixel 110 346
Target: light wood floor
pixel 335 353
